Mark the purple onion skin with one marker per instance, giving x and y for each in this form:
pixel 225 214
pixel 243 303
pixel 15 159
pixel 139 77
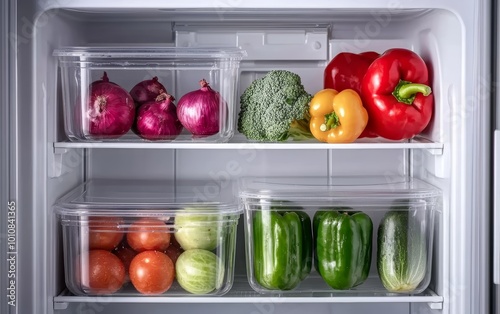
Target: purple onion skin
pixel 158 120
pixel 111 109
pixel 147 90
pixel 198 110
pixel 103 79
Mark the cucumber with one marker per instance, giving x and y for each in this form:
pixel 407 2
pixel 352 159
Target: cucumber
pixel 402 252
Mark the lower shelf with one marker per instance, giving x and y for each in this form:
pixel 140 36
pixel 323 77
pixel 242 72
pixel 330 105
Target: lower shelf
pixel 241 292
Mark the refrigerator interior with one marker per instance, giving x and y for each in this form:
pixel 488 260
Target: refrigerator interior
pixel 284 39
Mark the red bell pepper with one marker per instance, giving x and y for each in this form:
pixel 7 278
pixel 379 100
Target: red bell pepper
pixel 397 96
pixel 346 71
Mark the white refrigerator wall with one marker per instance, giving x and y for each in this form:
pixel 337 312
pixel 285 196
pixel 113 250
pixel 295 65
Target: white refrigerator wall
pixel 452 38
pixel 496 162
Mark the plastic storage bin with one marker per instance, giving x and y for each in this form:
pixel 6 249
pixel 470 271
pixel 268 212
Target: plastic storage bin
pixel 293 246
pixel 179 70
pixel 131 238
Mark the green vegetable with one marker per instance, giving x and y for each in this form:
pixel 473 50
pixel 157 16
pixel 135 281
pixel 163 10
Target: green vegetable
pixel 275 108
pixel 199 271
pixel 282 248
pixel 343 243
pixel 318 217
pixel 307 248
pixel 402 253
pixel 194 230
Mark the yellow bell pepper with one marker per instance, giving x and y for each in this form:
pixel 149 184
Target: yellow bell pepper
pixel 337 117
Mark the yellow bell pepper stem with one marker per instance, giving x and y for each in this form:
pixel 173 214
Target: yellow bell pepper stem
pixel 331 121
pixel 337 117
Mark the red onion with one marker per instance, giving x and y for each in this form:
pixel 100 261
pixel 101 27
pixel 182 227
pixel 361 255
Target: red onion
pixel 103 79
pixel 198 110
pixel 110 109
pixel 147 90
pixel 157 120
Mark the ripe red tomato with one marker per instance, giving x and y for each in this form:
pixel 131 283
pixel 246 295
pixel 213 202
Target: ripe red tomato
pixel 147 234
pixel 126 255
pixel 152 272
pixel 102 273
pixel 173 252
pixel 105 233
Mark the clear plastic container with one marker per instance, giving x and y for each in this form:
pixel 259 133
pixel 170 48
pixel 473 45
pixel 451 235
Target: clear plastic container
pixel 131 238
pixel 179 70
pixel 401 211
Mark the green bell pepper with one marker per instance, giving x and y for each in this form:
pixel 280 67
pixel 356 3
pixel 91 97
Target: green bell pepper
pixel 282 243
pixel 343 247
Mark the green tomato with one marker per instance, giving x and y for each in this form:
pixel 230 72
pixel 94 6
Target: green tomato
pixel 199 271
pixel 195 230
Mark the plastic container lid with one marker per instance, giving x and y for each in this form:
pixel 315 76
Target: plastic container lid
pixel 148 198
pixel 154 54
pixel 353 190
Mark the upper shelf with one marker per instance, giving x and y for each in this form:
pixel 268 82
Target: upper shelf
pixel 239 142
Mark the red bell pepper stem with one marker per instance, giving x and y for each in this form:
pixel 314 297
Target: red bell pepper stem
pixel 405 91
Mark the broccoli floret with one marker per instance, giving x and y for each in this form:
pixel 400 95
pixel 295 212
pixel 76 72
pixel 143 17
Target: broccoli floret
pixel 275 108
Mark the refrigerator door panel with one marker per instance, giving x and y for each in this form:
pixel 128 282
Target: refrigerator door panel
pixel 30 157
pixel 8 261
pixel 496 211
pixel 495 301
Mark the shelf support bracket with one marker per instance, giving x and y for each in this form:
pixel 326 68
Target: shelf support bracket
pixel 63 160
pixel 60 305
pixel 435 305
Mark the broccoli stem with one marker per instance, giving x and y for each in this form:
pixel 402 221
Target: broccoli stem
pixel 299 129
